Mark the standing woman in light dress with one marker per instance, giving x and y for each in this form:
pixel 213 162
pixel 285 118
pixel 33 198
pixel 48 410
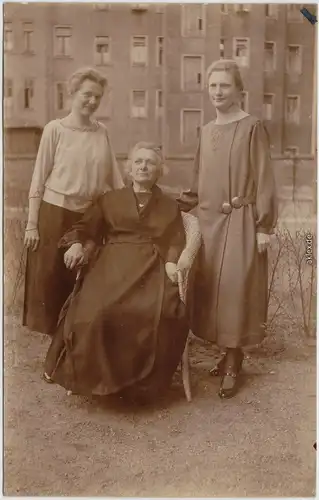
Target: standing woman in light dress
pixel 234 189
pixel 74 166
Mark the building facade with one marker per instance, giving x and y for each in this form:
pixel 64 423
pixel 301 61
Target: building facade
pixel 155 57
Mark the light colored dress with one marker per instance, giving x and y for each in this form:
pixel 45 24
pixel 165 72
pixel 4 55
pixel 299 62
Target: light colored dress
pixel 233 186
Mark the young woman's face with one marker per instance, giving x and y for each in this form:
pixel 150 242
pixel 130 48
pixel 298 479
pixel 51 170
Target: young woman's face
pixel 87 99
pixel 145 167
pixel 222 90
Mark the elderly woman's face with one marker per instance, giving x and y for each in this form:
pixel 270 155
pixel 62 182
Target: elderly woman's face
pixel 87 99
pixel 145 167
pixel 222 90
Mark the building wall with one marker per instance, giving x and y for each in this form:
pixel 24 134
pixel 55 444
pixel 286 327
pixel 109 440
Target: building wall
pixel 87 22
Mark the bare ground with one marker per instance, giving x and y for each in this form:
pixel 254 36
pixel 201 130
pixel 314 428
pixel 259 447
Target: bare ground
pixel 257 444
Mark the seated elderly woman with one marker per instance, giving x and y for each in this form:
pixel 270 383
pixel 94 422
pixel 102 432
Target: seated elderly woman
pixel 125 328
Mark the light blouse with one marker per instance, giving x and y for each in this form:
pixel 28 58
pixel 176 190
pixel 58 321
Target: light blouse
pixel 74 166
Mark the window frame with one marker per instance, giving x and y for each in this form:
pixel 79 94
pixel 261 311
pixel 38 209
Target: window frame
pixel 159 45
pixel 5 30
pixel 298 109
pixel 288 70
pixel 8 100
pixel 222 43
pixel 273 16
pixel 30 98
pixel 236 58
pixel 202 84
pixel 56 37
pixel 274 59
pixel 139 64
pixel 132 101
pixel 27 50
pixel 183 110
pixel 95 53
pixel 159 109
pixel 201 33
pixel 273 96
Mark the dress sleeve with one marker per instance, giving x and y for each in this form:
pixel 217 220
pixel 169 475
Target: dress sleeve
pixel 177 238
pixel 45 160
pixel 115 179
pixel 189 198
pixel 92 227
pixel 266 199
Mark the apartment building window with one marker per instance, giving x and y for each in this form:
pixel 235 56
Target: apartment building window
pixel 293 109
pixel 102 50
pixel 268 105
pixel 193 20
pixel 28 37
pixel 61 96
pixel 139 104
pixel 28 93
pixel 192 73
pixel 293 12
pixel 159 103
pixel 159 50
pixel 241 51
pixel 294 59
pixel 8 37
pixel 224 8
pixel 7 95
pixel 139 50
pixel 62 41
pixel 222 48
pixel 271 10
pixel 244 101
pixel 191 125
pixel 270 56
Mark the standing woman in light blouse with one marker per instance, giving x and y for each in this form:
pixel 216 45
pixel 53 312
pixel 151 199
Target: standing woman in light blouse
pixel 75 165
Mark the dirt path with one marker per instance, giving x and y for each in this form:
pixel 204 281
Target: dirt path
pixel 258 444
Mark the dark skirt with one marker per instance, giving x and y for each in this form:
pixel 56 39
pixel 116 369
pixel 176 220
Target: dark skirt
pixel 48 283
pixel 125 329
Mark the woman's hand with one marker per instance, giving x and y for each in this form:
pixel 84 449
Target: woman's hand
pixel 171 271
pixel 74 256
pixel 31 238
pixel 263 241
pixel 184 263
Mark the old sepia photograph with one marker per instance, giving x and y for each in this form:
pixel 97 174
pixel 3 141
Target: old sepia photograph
pixel 160 249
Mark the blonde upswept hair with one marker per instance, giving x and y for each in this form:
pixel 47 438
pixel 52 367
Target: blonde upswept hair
pixel 162 168
pixel 78 77
pixel 230 66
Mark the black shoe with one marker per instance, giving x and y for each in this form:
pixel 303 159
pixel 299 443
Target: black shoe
pixel 217 371
pixel 229 385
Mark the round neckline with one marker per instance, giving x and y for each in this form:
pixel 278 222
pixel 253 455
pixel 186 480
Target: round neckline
pixel 230 123
pixel 91 128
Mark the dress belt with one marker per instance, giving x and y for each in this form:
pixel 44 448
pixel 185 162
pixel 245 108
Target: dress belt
pixel 237 202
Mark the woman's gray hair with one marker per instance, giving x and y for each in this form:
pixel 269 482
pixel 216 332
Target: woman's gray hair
pixel 162 168
pixel 78 77
pixel 230 66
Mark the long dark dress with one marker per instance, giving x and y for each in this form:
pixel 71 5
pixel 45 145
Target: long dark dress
pixel 229 295
pixel 127 324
